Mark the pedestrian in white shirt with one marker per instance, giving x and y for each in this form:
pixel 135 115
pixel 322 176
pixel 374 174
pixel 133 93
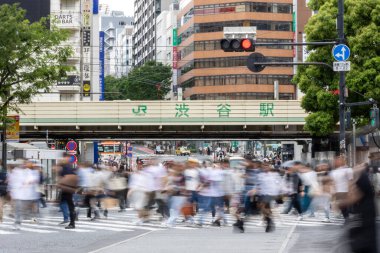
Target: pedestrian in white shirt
pixel 159 175
pixel 269 188
pixel 192 181
pixel 140 187
pixel 216 178
pixel 342 176
pixel 23 185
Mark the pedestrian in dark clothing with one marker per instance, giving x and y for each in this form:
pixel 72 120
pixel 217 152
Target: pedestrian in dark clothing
pixel 361 224
pixel 67 183
pixel 294 187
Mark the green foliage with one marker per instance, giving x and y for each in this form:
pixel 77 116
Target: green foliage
pixel 151 81
pixel 143 81
pixel 320 123
pixel 32 58
pixel 113 86
pixel 362 31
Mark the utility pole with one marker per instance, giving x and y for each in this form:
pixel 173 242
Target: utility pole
pixel 81 62
pixel 4 143
pixel 342 85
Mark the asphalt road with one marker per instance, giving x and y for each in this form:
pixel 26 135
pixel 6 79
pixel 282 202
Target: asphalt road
pixel 119 233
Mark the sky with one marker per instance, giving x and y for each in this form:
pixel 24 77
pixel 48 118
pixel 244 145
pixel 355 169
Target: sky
pixel 120 5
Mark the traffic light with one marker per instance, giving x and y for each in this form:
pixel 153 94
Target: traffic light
pixel 374 117
pixel 237 45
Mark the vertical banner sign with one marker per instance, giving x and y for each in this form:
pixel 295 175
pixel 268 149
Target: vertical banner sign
pixel 175 50
pixel 95 9
pixel 175 58
pixel 101 59
pixel 13 129
pixel 96 152
pixel 87 36
pixel 294 32
pixel 175 37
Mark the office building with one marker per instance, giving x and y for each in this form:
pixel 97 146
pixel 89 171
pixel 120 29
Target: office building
pixel 113 25
pixel 123 52
pixel 207 72
pixel 167 50
pixel 145 32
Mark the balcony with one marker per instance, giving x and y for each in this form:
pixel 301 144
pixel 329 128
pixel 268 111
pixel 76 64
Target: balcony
pixel 65 19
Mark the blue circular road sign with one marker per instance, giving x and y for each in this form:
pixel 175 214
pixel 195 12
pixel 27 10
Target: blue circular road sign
pixel 71 146
pixel 341 52
pixel 73 159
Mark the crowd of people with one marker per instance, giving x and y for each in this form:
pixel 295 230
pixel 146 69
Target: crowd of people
pixel 192 189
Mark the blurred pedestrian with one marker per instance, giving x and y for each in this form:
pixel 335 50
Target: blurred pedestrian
pixel 342 176
pixel 322 195
pixel 159 175
pixel 3 191
pixel 99 179
pixel 23 187
pixel 192 181
pixel 37 167
pixel 85 172
pixel 294 188
pixel 310 185
pixel 68 182
pixel 204 191
pixel 269 189
pixel 140 187
pixel 177 191
pixel 361 225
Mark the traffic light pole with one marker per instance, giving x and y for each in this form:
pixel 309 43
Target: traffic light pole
pixel 293 64
pixel 342 85
pixel 316 43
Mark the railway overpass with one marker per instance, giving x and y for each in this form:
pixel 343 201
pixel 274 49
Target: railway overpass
pixel 239 119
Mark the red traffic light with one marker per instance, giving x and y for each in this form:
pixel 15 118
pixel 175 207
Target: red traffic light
pixel 248 45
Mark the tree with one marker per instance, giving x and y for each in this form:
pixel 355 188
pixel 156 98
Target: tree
pixel 149 82
pixel 32 59
pixel 112 88
pixel 362 31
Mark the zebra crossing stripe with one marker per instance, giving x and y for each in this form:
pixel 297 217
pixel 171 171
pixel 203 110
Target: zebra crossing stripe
pixel 24 228
pixel 91 225
pixel 7 232
pixel 60 228
pixel 114 224
pixel 125 224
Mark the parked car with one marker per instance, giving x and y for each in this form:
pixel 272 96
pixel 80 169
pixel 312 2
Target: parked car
pixel 182 151
pixel 159 151
pixel 237 161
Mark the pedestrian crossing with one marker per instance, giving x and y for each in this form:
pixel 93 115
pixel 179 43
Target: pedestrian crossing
pixel 127 222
